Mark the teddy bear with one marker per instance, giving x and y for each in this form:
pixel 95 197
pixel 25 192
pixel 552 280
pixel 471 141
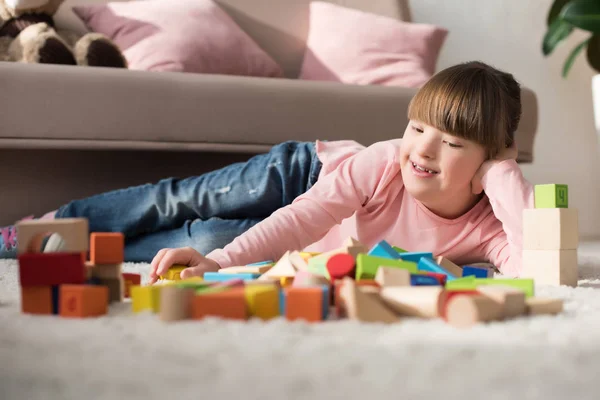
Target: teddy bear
pixel 28 34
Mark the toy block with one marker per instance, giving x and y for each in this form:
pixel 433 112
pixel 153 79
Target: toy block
pixel 304 303
pixel 477 272
pixel 447 295
pixel 130 279
pixel 73 231
pixel 440 278
pixel 217 277
pixel 198 283
pixel 449 266
pixel 340 265
pixel 258 269
pixel 107 247
pixel 173 273
pixel 305 278
pixel 231 283
pixel 286 281
pixel 551 196
pixel 351 242
pixel 116 288
pixel 318 264
pixel 550 229
pixel 36 300
pixel 176 303
pixel 262 301
pixel 226 304
pixel 391 276
pixel 103 271
pixel 415 256
pixel 471 283
pixel 261 263
pixel 423 280
pixel 364 307
pixel 464 311
pixel 427 264
pixel 399 249
pixel 384 249
pixel 47 269
pixel 283 268
pixel 339 302
pixel 511 299
pixel 55 290
pixel 551 267
pixel 412 301
pixel 145 298
pixel 543 305
pixel 83 300
pixel 366 265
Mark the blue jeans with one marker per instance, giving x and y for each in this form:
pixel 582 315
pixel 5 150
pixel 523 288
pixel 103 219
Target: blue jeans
pixel 204 212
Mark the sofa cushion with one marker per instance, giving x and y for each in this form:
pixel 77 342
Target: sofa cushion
pixel 356 47
pixel 194 36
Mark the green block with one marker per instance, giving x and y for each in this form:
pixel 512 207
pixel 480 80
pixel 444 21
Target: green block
pixel 465 283
pixel 318 265
pixel 470 282
pixel 192 284
pixel 366 265
pixel 399 250
pixel 551 196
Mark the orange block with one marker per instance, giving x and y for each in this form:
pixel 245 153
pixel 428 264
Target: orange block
pixel 36 299
pixel 130 280
pixel 304 303
pixel 107 248
pixel 227 304
pixel 83 300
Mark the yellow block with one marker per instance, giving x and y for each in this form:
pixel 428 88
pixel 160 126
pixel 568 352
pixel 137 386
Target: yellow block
pixel 145 298
pixel 174 273
pixel 262 301
pixel 286 281
pixel 306 255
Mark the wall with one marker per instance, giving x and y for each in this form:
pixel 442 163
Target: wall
pixel 508 34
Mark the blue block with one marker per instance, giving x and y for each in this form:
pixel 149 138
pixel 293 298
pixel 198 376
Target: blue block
pixel 326 299
pixel 423 280
pixel 478 272
pixel 282 299
pixel 258 264
pixel 384 249
pixel 415 257
pixel 217 277
pixel 426 264
pixel 55 298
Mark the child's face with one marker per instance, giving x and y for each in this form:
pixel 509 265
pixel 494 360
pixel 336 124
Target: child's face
pixel 450 164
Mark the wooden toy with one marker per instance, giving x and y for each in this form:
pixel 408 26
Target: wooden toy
pixel 543 305
pixel 304 303
pixel 227 304
pixel 217 277
pixel 83 300
pixel 145 298
pixel 305 278
pixel 447 295
pixel 366 266
pixel 116 288
pixel 107 247
pixel 423 280
pixel 392 276
pixel 176 303
pixel 511 299
pixel 261 263
pixel 551 267
pixel 384 249
pixel 46 269
pixel 472 283
pixel 415 256
pixel 340 265
pixel 440 278
pixel 463 311
pixel 103 271
pixel 173 273
pixel 363 307
pixel 130 279
pixel 262 301
pixel 551 196
pixel 258 269
pixel 36 300
pixel 427 264
pixel 318 264
pixel 399 250
pixel 550 228
pixel 73 231
pixel 478 272
pixel 284 268
pixel 449 266
pixel 413 301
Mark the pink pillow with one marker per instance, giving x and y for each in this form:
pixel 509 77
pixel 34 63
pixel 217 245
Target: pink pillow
pixel 181 36
pixel 356 47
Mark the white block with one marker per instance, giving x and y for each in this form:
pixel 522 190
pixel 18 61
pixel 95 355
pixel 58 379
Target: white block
pixel 551 267
pixel 550 228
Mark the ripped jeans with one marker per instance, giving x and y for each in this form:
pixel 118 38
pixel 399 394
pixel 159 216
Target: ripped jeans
pixel 204 212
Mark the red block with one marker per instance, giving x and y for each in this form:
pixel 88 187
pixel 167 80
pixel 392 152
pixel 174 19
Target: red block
pixel 340 265
pixel 448 294
pixel 47 269
pixel 441 278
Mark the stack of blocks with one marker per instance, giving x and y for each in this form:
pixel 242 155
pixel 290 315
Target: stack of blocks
pixel 551 237
pixel 64 283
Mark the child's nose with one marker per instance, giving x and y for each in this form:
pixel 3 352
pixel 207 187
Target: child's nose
pixel 426 148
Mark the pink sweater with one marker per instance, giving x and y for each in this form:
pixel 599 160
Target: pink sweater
pixel 360 193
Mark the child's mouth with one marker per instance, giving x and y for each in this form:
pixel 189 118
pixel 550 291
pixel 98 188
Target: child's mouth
pixel 422 171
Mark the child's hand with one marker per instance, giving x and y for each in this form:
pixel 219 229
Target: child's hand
pixel 509 153
pixel 197 263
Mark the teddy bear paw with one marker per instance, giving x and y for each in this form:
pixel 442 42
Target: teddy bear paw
pixel 97 50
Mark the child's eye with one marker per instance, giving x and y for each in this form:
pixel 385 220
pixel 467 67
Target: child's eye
pixel 453 145
pixel 417 129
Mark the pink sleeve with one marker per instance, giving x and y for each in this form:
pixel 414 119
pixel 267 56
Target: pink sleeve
pixel 509 194
pixel 334 197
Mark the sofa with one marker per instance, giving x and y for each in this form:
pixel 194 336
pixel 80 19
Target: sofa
pixel 70 132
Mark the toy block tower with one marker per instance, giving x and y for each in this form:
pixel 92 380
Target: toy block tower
pixel 551 237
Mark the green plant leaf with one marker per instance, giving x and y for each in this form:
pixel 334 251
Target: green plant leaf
pixel 556 8
pixel 583 14
pixel 557 31
pixel 571 59
pixel 593 52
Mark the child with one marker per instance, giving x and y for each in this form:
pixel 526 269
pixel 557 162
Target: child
pixel 450 186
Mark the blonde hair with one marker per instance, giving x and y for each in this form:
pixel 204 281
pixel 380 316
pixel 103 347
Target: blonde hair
pixel 473 101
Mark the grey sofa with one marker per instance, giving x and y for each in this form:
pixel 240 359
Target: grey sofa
pixel 70 132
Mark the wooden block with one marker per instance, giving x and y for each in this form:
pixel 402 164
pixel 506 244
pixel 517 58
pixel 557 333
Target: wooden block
pixel 47 269
pixel 262 301
pixel 464 311
pixel 543 305
pixel 447 295
pixel 103 271
pixel 337 299
pixel 471 283
pixel 129 280
pixel 429 265
pixel 440 278
pixel 414 301
pixel 551 267
pixel 116 288
pixel 391 276
pixel 36 300
pixel 550 229
pixel 107 247
pixel 227 304
pixel 364 307
pixel 384 249
pixel 366 266
pixel 419 279
pixel 83 300
pixel 449 266
pixel 217 277
pixel 173 273
pixel 551 196
pixel 477 272
pixel 511 299
pixel 259 269
pixel 415 256
pixel 305 278
pixel 282 269
pixel 318 264
pixel 73 231
pixel 340 265
pixel 261 263
pixel 176 303
pixel 145 298
pixel 305 303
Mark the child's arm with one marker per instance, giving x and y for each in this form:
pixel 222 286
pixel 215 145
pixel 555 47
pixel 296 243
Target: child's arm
pixel 335 197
